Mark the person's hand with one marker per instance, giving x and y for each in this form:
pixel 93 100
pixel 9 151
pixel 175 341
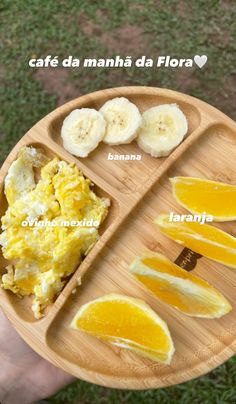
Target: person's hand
pixel 24 376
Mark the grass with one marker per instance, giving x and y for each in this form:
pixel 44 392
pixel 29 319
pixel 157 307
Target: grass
pixel 216 388
pixel 84 29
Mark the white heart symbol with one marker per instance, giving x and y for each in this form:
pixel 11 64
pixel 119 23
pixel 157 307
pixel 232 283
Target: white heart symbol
pixel 200 60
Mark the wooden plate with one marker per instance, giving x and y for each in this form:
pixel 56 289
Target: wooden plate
pixel 139 190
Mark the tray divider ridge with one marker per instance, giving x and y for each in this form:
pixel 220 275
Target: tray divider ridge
pixel 137 195
pixel 126 208
pixel 84 267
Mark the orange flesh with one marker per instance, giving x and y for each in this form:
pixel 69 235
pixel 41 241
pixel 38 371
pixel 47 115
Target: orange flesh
pixel 117 320
pixel 199 195
pixel 201 239
pixel 172 269
pixel 172 294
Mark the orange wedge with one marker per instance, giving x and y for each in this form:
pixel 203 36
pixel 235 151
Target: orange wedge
pixel 204 239
pixel 179 288
pixel 203 196
pixel 128 323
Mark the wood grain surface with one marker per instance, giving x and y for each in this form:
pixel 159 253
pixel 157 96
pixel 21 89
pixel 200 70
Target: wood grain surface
pixel 139 191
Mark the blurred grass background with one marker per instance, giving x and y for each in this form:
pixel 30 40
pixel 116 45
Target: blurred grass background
pixel 104 29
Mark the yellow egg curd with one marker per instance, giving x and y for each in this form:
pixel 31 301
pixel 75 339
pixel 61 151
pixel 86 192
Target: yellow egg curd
pixel 40 236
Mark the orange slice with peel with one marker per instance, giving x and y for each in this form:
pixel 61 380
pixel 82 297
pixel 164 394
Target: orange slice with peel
pixel 204 239
pixel 199 196
pixel 128 323
pixel 179 288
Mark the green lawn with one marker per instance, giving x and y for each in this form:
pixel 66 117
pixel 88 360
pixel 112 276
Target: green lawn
pixel 84 29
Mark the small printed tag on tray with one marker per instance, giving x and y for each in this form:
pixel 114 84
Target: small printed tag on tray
pixel 187 259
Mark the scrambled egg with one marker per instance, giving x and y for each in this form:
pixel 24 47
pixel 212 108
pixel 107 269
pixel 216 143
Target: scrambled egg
pixel 44 256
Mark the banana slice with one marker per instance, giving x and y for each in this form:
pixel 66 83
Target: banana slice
pixel 123 121
pixel 82 130
pixel 163 128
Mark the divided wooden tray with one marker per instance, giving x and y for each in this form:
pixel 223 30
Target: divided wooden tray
pixel 139 190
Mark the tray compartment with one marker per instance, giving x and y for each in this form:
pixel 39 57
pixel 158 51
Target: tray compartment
pixel 22 307
pixel 198 341
pixel 125 176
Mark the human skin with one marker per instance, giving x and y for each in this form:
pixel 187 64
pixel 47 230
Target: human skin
pixel 25 377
